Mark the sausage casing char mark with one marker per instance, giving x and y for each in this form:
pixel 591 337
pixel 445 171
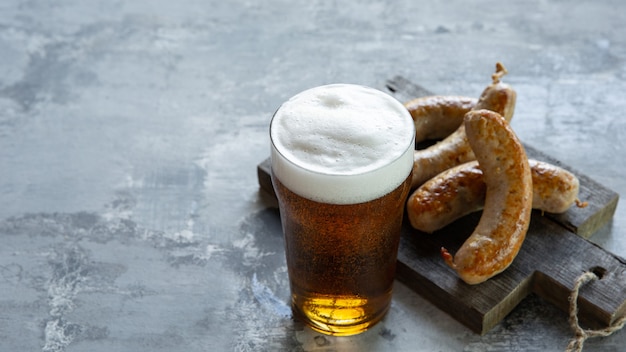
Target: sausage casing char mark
pixel 502 227
pixel 454 149
pixel 461 190
pixel 437 116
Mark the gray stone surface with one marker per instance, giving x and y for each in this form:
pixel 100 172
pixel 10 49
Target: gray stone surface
pixel 130 215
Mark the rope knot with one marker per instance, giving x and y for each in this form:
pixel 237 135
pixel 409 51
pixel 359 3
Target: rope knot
pixel 580 334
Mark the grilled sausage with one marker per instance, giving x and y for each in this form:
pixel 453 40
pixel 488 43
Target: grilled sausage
pixel 437 116
pixel 461 190
pixel 502 227
pixel 554 189
pixel 454 149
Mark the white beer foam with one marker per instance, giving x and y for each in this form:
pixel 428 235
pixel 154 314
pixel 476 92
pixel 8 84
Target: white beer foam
pixel 342 143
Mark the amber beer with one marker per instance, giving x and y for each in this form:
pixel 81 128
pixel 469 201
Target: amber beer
pixel 342 157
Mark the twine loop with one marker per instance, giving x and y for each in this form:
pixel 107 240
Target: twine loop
pixel 580 334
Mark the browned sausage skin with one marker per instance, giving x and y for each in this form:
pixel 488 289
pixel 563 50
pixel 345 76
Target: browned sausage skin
pixel 554 189
pixel 461 190
pixel 454 149
pixel 502 228
pixel 446 197
pixel 437 116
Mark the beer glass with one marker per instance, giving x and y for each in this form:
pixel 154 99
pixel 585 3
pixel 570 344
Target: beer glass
pixel 342 159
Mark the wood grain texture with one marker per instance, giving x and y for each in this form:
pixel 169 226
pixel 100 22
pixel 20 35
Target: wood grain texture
pixel 554 254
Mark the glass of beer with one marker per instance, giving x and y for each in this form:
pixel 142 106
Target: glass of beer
pixel 342 159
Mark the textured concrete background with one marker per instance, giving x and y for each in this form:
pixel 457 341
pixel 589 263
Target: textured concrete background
pixel 130 215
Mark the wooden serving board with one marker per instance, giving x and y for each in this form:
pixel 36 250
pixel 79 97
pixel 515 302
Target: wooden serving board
pixel 556 251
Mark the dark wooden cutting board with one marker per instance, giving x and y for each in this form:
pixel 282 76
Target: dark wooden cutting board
pixel 556 251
